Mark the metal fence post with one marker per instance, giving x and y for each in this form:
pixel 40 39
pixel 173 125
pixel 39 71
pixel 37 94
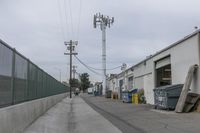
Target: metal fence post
pixel 13 78
pixel 36 82
pixel 27 80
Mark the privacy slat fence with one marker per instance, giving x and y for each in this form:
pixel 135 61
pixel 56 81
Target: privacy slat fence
pixel 21 80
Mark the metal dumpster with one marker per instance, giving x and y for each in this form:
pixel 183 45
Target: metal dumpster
pixel 108 94
pixel 166 97
pixel 127 95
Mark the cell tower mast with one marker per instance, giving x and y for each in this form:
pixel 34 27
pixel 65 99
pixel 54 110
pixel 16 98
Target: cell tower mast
pixel 103 21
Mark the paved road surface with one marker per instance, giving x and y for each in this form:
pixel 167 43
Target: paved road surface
pixel 142 118
pixel 72 116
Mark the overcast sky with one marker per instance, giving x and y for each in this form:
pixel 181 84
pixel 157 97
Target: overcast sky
pixel 38 28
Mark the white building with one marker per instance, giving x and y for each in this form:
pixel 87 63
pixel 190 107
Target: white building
pixel 168 66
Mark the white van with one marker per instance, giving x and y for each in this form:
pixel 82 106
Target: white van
pixel 90 90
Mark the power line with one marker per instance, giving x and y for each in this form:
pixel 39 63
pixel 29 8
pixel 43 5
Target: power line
pixel 87 66
pixel 60 16
pixel 70 10
pixel 99 68
pixel 109 69
pixel 79 19
pixel 66 17
pixel 71 29
pixel 77 73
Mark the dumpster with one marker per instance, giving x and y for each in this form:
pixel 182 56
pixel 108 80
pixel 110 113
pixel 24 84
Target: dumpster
pixel 127 95
pixel 108 94
pixel 166 97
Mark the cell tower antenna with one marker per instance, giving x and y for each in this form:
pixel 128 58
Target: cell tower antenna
pixel 103 21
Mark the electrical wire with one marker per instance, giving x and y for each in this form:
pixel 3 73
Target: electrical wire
pixel 70 10
pixel 90 69
pixel 87 66
pixel 98 68
pixel 79 19
pixel 60 16
pixel 109 69
pixel 66 17
pixel 78 73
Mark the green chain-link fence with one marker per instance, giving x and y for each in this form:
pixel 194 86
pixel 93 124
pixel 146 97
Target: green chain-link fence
pixel 21 80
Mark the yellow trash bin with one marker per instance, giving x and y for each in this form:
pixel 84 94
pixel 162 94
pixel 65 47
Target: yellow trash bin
pixel 114 95
pixel 135 98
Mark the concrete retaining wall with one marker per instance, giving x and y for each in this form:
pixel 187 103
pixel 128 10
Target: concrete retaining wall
pixel 14 119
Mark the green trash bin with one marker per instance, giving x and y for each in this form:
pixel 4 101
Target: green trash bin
pixel 108 94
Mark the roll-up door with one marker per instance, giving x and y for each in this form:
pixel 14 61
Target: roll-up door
pixel 163 62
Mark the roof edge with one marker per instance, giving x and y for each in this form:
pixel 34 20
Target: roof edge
pixel 162 50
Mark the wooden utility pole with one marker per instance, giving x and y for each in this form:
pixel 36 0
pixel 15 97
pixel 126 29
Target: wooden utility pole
pixel 71 48
pixel 74 71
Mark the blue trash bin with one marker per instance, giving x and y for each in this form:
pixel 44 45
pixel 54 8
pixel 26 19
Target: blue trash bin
pixel 127 95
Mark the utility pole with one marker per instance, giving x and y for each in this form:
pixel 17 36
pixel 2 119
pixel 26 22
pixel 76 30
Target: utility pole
pixel 74 71
pixel 71 48
pixel 123 68
pixel 103 22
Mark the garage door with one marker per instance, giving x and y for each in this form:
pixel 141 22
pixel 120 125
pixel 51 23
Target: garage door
pixel 163 62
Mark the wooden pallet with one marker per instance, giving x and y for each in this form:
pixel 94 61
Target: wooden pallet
pixel 191 101
pixel 182 99
pixel 198 106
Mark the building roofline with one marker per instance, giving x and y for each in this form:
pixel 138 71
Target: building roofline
pixel 168 47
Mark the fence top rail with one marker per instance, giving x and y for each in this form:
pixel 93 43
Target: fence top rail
pixel 29 61
pixel 6 45
pixel 12 49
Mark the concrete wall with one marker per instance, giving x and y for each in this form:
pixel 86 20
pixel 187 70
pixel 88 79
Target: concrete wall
pixel 112 84
pixel 182 57
pixel 14 119
pixel 139 82
pixel 118 85
pixel 148 88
